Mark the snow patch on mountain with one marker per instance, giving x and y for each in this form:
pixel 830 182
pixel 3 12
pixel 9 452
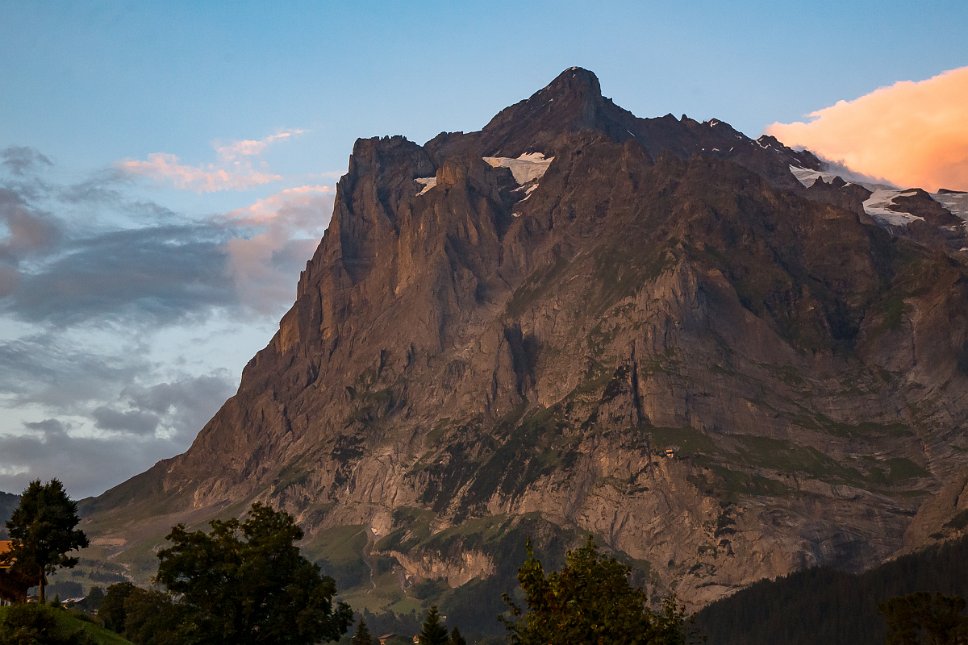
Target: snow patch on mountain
pixel 427 183
pixel 808 176
pixel 955 202
pixel 528 167
pixel 878 206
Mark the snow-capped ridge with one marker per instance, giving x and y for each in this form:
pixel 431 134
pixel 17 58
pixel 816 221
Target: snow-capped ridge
pixel 879 204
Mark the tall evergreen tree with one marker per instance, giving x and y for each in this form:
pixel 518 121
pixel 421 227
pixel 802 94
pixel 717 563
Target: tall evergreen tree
pixel 362 635
pixel 43 532
pixel 433 631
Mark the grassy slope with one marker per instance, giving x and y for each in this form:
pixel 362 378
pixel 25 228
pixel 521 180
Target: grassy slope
pixel 70 623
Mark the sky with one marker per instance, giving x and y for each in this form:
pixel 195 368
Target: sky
pixel 167 168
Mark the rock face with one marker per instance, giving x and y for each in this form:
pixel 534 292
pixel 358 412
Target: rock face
pixel 576 320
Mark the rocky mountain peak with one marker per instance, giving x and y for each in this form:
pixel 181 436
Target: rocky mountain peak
pixel 571 103
pixel 577 320
pixel 576 82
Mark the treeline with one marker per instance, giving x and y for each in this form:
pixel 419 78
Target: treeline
pixel 245 581
pixel 827 606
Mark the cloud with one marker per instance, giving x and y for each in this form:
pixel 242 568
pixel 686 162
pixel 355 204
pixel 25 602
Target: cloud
pixel 166 270
pixel 234 169
pixel 87 465
pixel 912 134
pixel 28 230
pixel 202 179
pixel 51 369
pixel 25 232
pixel 160 420
pixel 22 160
pixel 289 225
pixel 126 421
pixel 252 147
pixel 182 405
pixel 115 315
pixel 158 274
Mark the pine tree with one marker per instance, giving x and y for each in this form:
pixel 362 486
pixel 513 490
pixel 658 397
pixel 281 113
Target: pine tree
pixel 362 635
pixel 433 631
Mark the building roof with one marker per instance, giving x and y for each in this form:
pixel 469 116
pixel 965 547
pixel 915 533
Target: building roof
pixel 5 546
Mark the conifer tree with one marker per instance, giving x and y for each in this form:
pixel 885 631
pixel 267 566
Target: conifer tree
pixel 362 635
pixel 433 631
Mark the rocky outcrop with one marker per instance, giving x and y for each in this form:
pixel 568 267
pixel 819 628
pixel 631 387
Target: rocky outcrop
pixel 660 337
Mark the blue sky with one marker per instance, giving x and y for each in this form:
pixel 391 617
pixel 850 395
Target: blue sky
pixel 166 168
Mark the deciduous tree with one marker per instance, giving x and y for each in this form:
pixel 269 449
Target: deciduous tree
pixel 246 582
pixel 43 532
pixel 589 601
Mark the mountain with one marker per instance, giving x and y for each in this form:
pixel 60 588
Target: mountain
pixel 702 348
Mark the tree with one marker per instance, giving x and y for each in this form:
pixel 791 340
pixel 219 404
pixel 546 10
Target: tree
pixel 362 635
pixel 433 631
pixel 924 617
pixel 153 618
pixel 92 601
pixel 589 601
pixel 456 638
pixel 111 612
pixel 246 582
pixel 43 533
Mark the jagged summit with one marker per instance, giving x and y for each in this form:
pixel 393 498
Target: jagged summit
pixel 576 81
pixel 572 102
pixel 572 105
pixel 580 321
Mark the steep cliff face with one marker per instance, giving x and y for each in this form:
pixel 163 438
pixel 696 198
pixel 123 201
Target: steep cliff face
pixel 576 320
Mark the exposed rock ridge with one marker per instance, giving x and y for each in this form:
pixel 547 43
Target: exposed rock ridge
pixel 669 342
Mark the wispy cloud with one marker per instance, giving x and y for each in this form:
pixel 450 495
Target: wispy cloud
pixel 158 274
pixel 252 147
pixel 287 227
pixel 132 433
pixel 909 133
pixel 114 311
pixel 22 160
pixel 233 170
pixel 203 179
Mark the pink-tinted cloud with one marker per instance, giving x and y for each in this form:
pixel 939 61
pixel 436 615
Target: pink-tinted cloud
pixel 209 178
pixel 234 170
pixel 285 229
pixel 911 133
pixel 253 147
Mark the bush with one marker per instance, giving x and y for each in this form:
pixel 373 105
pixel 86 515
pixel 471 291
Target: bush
pixel 37 625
